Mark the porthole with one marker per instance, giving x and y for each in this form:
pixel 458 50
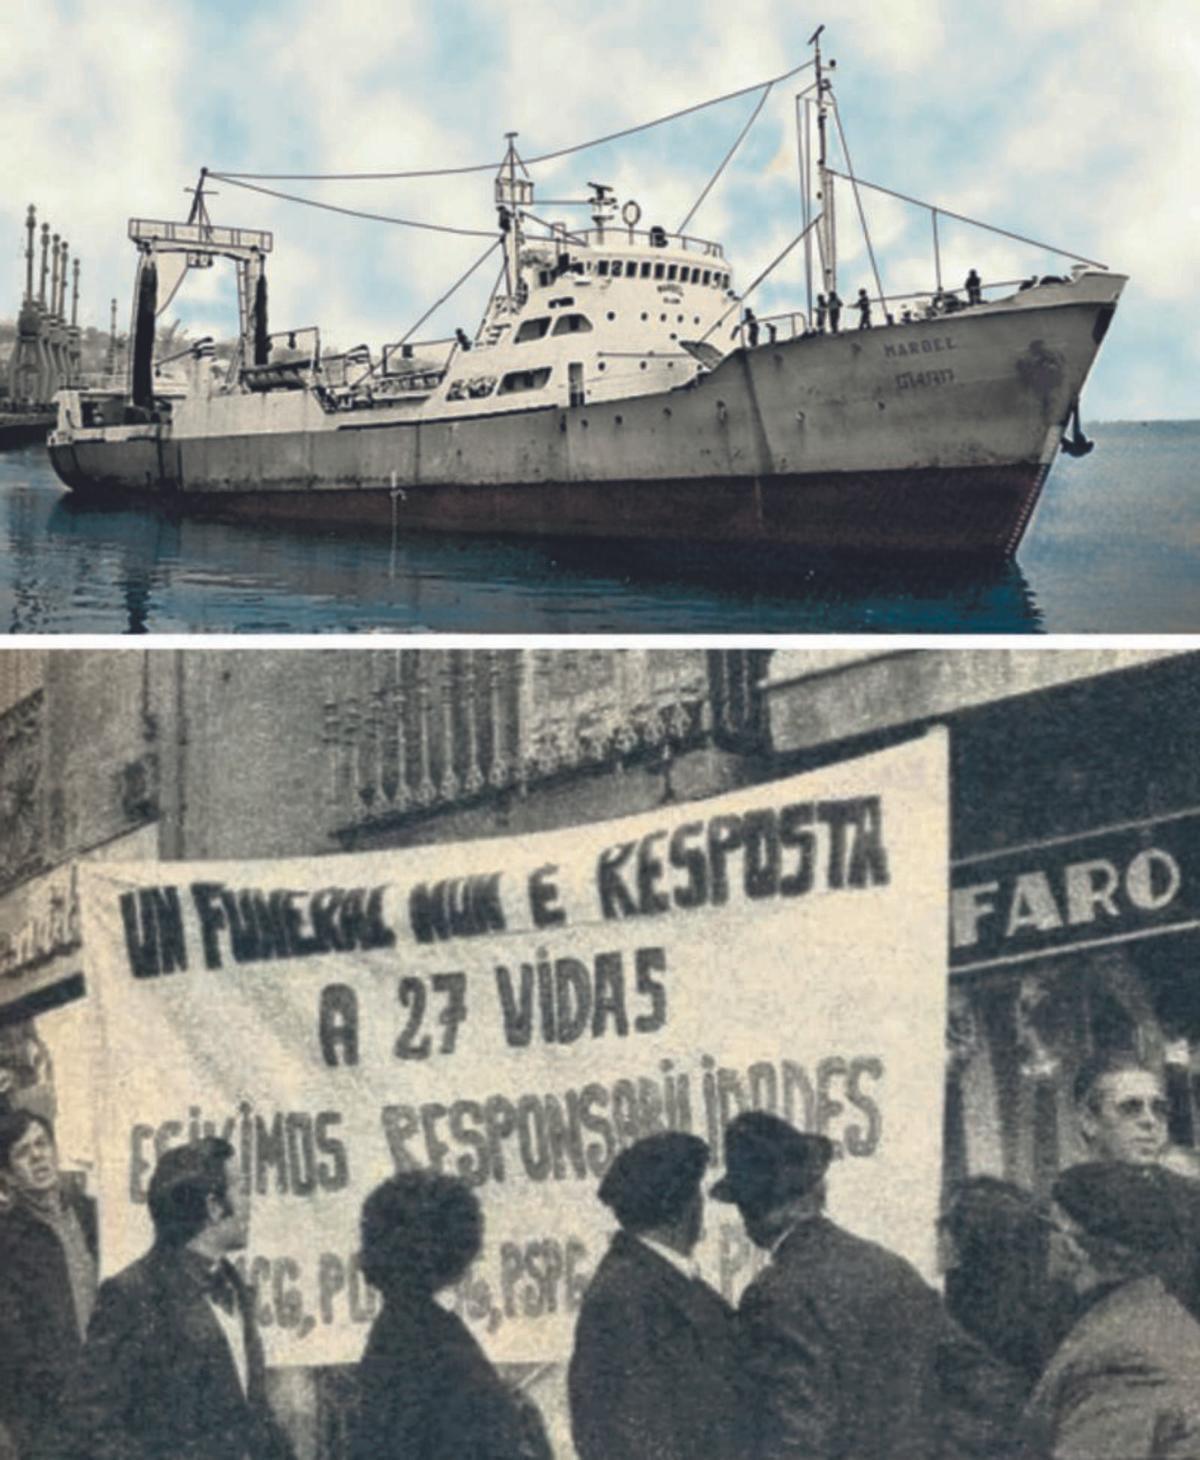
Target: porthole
pixel 645 316
pixel 610 315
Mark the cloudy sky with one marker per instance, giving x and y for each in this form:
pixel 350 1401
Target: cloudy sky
pixel 1076 122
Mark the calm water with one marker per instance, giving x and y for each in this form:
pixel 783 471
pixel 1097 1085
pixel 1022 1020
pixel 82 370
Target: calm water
pixel 1115 547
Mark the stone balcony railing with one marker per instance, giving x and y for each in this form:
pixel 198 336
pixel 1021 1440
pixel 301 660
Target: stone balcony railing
pixel 415 732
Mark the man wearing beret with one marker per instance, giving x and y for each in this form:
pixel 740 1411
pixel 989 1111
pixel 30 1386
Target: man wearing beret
pixel 1124 1384
pixel 654 1375
pixel 850 1352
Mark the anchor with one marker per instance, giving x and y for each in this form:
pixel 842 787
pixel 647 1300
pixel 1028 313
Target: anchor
pixel 1077 444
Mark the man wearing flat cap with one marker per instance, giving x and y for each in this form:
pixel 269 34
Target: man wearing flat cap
pixel 654 1375
pixel 1124 1384
pixel 850 1352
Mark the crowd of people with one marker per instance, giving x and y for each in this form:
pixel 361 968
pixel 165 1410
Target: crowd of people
pixel 1068 1329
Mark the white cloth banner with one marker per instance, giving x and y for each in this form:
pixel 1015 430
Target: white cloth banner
pixel 518 1009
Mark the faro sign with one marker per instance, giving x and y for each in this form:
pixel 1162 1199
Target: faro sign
pixel 1116 885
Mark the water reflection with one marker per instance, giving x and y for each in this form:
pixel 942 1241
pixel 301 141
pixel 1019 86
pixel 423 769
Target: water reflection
pixel 80 567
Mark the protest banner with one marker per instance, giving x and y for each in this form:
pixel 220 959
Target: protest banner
pixel 516 1010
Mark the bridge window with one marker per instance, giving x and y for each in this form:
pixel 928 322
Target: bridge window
pixel 672 271
pixel 707 277
pixel 533 329
pixel 616 268
pixel 646 270
pixel 602 267
pixel 659 270
pixel 570 324
pixel 518 380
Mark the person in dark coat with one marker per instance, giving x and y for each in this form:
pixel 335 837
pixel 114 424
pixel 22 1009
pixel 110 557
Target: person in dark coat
pixel 1124 1384
pixel 47 1281
pixel 834 305
pixel 654 1372
pixel 173 1364
pixel 851 1352
pixel 427 1390
pixel 997 1282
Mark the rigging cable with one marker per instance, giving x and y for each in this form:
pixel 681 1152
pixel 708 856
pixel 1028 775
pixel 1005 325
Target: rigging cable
pixel 491 166
pixel 974 222
pixel 741 137
pixel 486 254
pixel 862 217
pixel 775 262
pixel 549 227
pixel 166 304
pixel 354 212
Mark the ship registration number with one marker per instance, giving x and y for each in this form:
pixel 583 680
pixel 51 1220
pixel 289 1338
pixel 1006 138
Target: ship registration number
pixel 915 379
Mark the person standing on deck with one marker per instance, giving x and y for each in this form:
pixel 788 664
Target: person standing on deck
pixel 863 305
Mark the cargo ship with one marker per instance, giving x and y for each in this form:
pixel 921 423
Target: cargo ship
pixel 618 386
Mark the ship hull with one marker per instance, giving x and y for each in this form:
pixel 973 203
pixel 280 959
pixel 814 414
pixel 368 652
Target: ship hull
pixel 974 510
pixel 934 436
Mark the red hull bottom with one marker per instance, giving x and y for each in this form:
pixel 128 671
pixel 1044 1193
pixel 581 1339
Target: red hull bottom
pixel 974 510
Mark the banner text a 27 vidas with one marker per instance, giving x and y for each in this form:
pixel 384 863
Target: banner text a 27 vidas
pixel 516 1011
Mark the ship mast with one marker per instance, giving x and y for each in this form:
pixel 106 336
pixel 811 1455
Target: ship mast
pixel 513 193
pixel 827 227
